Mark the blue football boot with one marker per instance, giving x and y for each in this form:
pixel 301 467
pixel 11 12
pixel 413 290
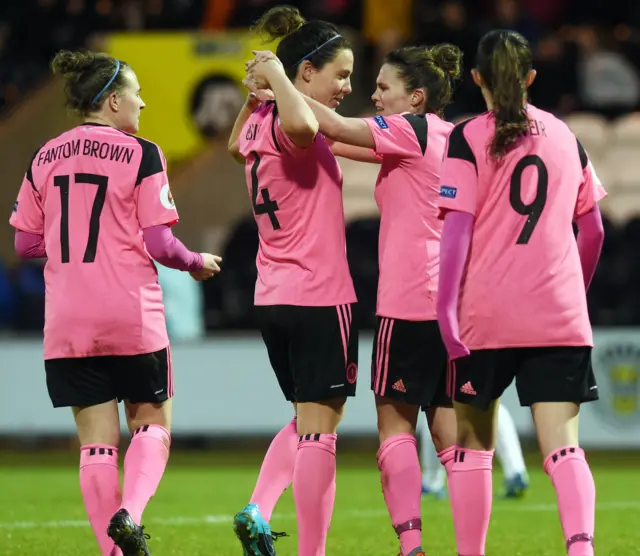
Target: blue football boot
pixel 254 532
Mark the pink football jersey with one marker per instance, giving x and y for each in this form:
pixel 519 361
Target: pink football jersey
pixel 91 191
pixel 296 195
pixel 412 147
pixel 523 284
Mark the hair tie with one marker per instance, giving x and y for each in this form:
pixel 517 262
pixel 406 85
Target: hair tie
pixel 115 73
pixel 316 50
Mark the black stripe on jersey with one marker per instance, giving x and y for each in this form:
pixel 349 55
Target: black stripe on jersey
pixel 273 125
pixel 420 127
pixel 151 162
pixel 29 174
pixel 584 159
pixel 459 146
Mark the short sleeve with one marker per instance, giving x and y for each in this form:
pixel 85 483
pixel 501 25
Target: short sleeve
pixel 154 202
pixel 400 134
pixel 281 140
pixel 28 212
pixel 591 190
pixel 459 175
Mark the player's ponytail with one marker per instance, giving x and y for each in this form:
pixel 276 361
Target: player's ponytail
pixel 89 77
pixel 434 69
pixel 504 61
pixel 318 42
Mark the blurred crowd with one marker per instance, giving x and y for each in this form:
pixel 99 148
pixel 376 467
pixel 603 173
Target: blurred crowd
pixel 588 59
pixel 588 53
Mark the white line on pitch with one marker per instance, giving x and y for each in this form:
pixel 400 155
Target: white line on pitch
pixel 226 519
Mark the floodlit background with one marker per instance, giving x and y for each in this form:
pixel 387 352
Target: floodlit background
pixel 189 56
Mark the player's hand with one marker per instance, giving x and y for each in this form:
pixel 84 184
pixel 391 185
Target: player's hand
pixel 252 101
pixel 456 349
pixel 260 56
pixel 256 95
pixel 260 71
pixel 209 269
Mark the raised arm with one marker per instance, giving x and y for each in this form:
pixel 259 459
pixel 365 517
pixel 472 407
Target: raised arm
pixel 247 109
pixel 350 131
pixel 296 118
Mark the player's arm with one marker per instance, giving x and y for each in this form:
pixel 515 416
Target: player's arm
pixel 351 131
pixel 250 104
pixel 29 246
pixel 590 240
pixel 28 218
pixel 169 251
pixel 157 212
pixel 588 218
pixel 360 154
pixel 296 118
pixel 454 251
pixel 458 205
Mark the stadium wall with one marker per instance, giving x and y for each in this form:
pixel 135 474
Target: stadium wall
pixel 225 387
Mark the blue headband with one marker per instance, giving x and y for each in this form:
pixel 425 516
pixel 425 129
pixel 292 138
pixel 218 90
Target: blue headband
pixel 316 50
pixel 115 74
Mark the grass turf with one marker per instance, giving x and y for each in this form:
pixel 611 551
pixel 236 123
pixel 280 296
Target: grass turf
pixel 42 511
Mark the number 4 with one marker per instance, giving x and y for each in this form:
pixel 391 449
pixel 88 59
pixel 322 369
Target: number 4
pixel 94 223
pixel 270 206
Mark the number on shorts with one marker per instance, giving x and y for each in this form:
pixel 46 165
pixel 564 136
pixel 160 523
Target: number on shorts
pixel 62 182
pixel 270 206
pixel 533 210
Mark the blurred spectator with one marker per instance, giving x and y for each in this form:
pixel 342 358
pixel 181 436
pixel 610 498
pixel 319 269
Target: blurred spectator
pixel 451 23
pixel 608 82
pixel 510 14
pixel 549 13
pixel 386 26
pixel 555 86
pixel 246 12
pixel 217 14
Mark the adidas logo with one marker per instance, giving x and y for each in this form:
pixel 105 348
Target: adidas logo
pixel 468 389
pixel 399 386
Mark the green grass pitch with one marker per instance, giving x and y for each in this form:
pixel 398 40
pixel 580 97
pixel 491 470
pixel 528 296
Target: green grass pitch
pixel 42 512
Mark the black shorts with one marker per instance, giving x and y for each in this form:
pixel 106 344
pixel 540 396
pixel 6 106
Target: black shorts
pixel 542 374
pixel 87 381
pixel 313 350
pixel 409 362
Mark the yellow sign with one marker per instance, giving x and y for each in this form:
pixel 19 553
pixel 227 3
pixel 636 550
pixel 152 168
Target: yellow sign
pixel 617 366
pixel 191 83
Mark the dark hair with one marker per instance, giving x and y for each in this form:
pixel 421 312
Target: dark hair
pixel 434 69
pixel 86 74
pixel 504 59
pixel 316 41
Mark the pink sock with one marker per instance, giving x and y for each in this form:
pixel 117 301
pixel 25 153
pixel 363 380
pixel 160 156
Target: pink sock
pixel 447 457
pixel 144 465
pixel 402 486
pixel 314 491
pixel 576 492
pixel 276 472
pixel 100 486
pixel 471 496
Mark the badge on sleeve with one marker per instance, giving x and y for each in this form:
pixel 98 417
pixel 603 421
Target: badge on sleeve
pixel 382 123
pixel 448 192
pixel 166 198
